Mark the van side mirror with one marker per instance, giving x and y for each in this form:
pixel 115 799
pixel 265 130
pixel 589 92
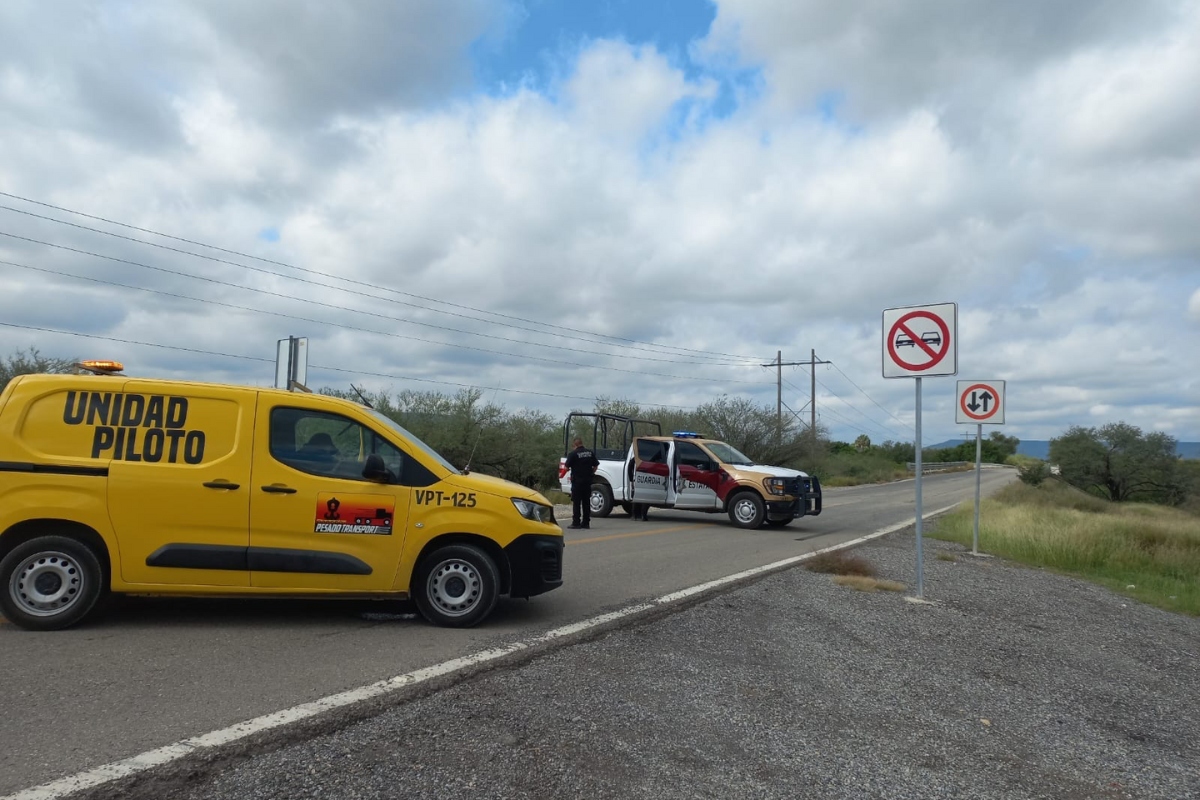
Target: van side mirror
pixel 375 470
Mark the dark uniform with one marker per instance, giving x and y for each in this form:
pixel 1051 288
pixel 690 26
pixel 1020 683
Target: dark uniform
pixel 582 463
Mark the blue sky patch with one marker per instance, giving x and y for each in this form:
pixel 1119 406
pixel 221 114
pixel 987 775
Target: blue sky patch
pixel 541 31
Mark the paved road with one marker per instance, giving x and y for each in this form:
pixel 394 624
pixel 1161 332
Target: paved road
pixel 150 672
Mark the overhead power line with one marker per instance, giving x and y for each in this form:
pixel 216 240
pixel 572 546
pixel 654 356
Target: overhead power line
pixel 270 293
pixel 341 289
pixel 874 427
pixel 326 368
pixel 881 426
pixel 564 331
pixel 872 399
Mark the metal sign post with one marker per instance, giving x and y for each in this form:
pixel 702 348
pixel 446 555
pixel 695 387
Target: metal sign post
pixel 978 463
pixel 918 342
pixel 291 363
pixel 920 470
pixel 981 402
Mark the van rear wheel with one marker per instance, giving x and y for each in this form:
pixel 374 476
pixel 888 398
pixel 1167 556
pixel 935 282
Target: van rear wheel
pixel 49 583
pixel 456 586
pixel 601 500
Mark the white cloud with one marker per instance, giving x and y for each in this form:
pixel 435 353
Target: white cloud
pixel 1012 160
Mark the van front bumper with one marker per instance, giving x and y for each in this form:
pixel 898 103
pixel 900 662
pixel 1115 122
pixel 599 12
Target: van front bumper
pixel 535 564
pixel 806 500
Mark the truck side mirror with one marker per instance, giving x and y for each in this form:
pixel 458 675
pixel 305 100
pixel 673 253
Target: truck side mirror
pixel 375 470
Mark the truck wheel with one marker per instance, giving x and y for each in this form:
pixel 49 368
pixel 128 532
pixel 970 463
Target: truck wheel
pixel 49 582
pixel 747 510
pixel 601 500
pixel 456 586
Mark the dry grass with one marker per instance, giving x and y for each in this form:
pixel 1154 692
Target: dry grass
pixel 1153 548
pixel 944 556
pixel 840 562
pixel 865 584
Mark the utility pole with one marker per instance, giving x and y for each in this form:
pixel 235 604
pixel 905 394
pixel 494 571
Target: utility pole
pixel 812 425
pixel 778 397
pixel 779 364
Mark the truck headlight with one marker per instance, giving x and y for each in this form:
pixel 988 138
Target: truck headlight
pixel 534 511
pixel 775 486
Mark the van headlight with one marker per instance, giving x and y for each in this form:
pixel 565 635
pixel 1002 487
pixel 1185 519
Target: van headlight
pixel 775 486
pixel 534 511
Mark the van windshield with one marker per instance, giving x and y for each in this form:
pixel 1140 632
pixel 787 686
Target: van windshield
pixel 729 454
pixel 413 440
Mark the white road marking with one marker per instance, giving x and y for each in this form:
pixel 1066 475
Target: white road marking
pixel 172 752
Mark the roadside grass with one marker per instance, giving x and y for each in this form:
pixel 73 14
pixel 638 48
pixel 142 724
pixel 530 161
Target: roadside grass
pixel 840 562
pixel 843 469
pixel 944 556
pixel 557 497
pixel 865 584
pixel 1147 552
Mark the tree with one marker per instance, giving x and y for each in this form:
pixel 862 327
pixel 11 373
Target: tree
pixel 1006 444
pixel 1119 462
pixel 899 452
pixel 31 362
pixel 862 443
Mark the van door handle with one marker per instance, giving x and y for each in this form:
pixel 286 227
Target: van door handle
pixel 273 489
pixel 221 485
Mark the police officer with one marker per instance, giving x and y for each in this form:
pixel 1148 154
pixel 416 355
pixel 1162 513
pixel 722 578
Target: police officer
pixel 583 464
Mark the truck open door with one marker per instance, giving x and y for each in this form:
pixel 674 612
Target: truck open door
pixel 649 472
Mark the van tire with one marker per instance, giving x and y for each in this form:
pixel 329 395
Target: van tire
pixel 747 510
pixel 601 500
pixel 456 586
pixel 49 583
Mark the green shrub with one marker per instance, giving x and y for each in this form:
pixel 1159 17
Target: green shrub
pixel 1034 473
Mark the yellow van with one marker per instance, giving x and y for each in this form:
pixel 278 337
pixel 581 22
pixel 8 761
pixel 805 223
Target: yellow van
pixel 109 482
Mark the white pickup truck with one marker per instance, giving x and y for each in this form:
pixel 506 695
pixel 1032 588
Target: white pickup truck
pixel 687 471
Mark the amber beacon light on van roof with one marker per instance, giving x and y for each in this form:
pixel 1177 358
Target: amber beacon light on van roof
pixel 101 367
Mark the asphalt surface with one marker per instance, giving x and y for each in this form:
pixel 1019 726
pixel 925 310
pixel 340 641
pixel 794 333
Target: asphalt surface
pixel 1015 684
pixel 153 671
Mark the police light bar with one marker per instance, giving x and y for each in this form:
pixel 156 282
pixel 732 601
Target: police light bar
pixel 685 435
pixel 101 367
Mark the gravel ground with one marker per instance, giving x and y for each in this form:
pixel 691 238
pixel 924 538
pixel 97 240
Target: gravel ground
pixel 1014 684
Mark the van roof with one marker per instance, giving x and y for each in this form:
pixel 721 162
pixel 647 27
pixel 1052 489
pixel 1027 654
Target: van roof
pixel 99 382
pixel 700 439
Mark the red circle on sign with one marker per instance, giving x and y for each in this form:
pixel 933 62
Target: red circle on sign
pixel 935 358
pixel 962 401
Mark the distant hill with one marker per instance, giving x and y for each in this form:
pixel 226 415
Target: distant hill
pixel 1039 448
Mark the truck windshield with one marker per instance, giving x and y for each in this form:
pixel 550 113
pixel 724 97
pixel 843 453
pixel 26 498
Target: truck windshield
pixel 729 454
pixel 414 441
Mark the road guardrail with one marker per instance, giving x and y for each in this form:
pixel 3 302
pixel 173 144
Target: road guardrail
pixel 937 466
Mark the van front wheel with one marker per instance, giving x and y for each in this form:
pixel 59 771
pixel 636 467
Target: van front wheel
pixel 49 582
pixel 456 586
pixel 747 510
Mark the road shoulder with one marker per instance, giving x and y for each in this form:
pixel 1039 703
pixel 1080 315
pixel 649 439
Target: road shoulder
pixel 1015 683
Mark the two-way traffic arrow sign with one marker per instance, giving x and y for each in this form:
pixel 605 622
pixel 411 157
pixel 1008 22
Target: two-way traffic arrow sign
pixel 980 402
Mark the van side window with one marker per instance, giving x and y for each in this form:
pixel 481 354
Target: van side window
pixel 688 454
pixel 652 451
pixel 329 445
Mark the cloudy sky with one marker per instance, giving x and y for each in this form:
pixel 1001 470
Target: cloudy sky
pixel 494 192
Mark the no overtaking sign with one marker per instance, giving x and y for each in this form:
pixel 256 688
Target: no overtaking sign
pixel 920 341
